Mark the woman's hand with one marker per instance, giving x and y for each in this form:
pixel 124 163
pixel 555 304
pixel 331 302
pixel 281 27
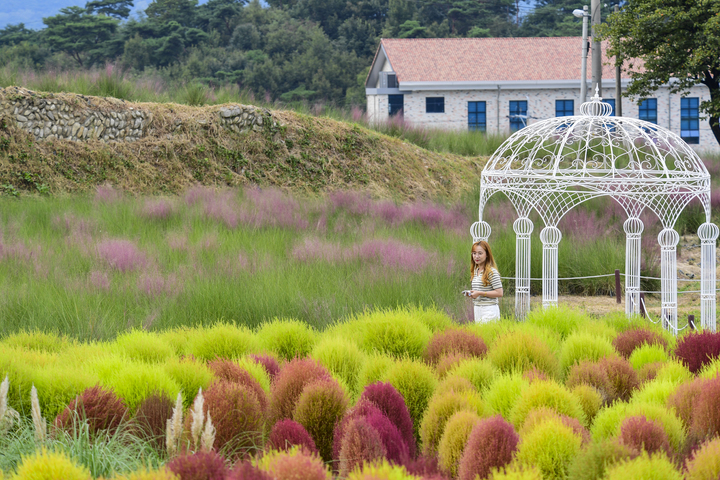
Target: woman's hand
pixel 475 294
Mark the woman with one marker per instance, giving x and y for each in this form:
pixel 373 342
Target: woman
pixel 485 283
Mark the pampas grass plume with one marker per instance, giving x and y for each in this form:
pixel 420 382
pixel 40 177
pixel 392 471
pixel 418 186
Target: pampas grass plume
pixel 38 421
pixel 208 436
pixel 174 427
pixel 198 418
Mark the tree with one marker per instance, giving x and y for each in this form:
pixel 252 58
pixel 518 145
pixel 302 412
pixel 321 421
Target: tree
pixel 553 18
pixel 119 9
pixel 678 42
pixel 79 34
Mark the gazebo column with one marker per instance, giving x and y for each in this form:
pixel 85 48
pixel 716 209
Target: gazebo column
pixel 708 233
pixel 633 227
pixel 523 227
pixel 550 238
pixel 668 240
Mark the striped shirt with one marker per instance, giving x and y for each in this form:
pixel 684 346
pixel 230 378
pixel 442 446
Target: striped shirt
pixel 477 285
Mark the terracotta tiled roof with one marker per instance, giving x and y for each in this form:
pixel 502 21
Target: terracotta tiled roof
pixel 489 59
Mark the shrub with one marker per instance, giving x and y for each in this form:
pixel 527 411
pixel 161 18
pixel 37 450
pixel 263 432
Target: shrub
pixel 416 382
pixel 143 474
pixel 546 394
pixel 48 465
pixel 151 419
pixel 226 370
pixel 675 372
pixel 289 433
pixel 342 357
pixel 623 378
pixel 641 434
pixel 594 375
pixel 479 372
pixel 695 350
pixel 361 409
pixel 134 382
pixel 453 440
pixel 293 464
pixel 455 384
pixel 454 340
pixel 320 406
pixel 608 421
pixel 269 363
pixel 393 332
pixel 706 410
pixel 540 415
pixel 535 374
pixel 705 462
pixel 199 466
pixel 448 361
pixel 593 461
pixel 287 338
pixel 102 409
pixel 656 391
pixel 711 369
pixel 374 369
pixel 396 451
pixel 649 371
pixel 560 319
pixel 584 346
pixel 38 341
pixel 683 399
pixel 289 384
pixel 626 342
pixel 491 444
pixel 381 470
pixel 519 351
pixel 361 444
pixel 590 400
pixel 189 374
pixel 389 401
pixel 237 415
pixel 644 467
pixel 245 470
pixel 503 392
pixel 222 340
pixel 645 354
pixel 516 472
pixel 441 407
pixel 551 446
pixel 144 346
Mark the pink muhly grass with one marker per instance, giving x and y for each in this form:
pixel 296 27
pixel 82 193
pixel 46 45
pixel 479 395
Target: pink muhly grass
pixel 199 466
pixel 107 194
pixel 582 225
pixel 500 215
pixel 158 209
pixel 357 114
pixel 99 280
pixel 698 349
pixel 454 340
pixel 360 444
pixel 222 208
pixel 229 371
pixel 288 433
pixel 102 409
pixel 272 207
pixel 389 401
pixel 122 255
pixel 626 342
pixel 706 410
pixel 289 384
pixel 312 249
pixel 395 254
pixel 269 363
pixel 352 202
pixel 237 415
pixel 245 470
pixel 492 444
pixel 643 434
pixel 156 285
pixel 199 195
pixel 388 211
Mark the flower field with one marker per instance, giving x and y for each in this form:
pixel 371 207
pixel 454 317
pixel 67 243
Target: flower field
pixel 402 393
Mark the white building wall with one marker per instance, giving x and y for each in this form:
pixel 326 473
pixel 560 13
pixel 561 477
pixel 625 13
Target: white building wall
pixel 541 105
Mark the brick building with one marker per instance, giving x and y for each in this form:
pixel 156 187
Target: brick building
pixel 502 84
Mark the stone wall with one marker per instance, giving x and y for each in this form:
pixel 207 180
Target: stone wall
pixel 80 118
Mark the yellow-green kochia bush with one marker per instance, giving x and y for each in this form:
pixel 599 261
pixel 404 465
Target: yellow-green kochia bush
pixel 397 332
pixel 37 341
pixel 503 392
pixel 546 394
pixel 189 374
pixel 222 340
pixel 516 471
pixel 590 400
pixel 647 353
pixel 287 338
pixel 416 382
pixel 480 372
pixel 441 407
pixel 342 357
pixel 453 440
pixel 320 406
pixel 644 467
pixel 705 462
pixel 593 460
pixel 49 465
pixel 520 351
pixel 135 381
pixel 608 421
pixel 551 446
pixel 584 346
pixel 373 369
pixel 560 319
pixel 144 346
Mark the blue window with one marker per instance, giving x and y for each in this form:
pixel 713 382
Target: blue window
pixel 435 104
pixel 690 120
pixel 564 108
pixel 395 104
pixel 476 116
pixel 648 110
pixel 518 114
pixel 611 102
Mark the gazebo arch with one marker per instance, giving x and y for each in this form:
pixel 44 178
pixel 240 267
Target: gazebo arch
pixel 556 164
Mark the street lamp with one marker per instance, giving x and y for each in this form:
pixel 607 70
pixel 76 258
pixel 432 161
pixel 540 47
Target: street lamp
pixel 583 83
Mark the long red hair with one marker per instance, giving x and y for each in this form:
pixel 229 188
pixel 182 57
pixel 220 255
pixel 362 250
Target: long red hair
pixel 489 262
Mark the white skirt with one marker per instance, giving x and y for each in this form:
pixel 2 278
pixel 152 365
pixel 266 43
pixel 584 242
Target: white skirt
pixel 486 313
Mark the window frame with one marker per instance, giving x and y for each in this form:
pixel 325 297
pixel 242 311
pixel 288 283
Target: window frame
pixel 477 126
pixel 437 104
pixel 400 111
pixel 564 108
pixel 519 123
pixel 690 113
pixel 645 108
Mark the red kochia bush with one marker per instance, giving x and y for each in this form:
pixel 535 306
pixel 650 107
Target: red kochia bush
pixel 454 340
pixel 535 374
pixel 227 370
pixel 362 408
pixel 623 377
pixel 151 418
pixel 683 399
pixel 491 444
pixel 247 471
pixel 199 466
pixel 287 433
pixel 360 444
pixel 643 434
pixel 237 415
pixel 706 410
pixel 593 374
pixel 289 384
pixel 296 465
pixel 396 451
pixel 268 362
pixel 385 397
pixel 102 409
pixel 697 349
pixel 626 342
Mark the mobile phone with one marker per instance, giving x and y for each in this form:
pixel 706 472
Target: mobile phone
pixel 466 293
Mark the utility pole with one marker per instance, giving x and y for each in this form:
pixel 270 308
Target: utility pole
pixel 618 89
pixel 596 49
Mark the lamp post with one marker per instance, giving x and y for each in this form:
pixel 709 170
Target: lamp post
pixel 583 66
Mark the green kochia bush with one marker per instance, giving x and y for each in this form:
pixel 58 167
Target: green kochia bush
pixel 222 340
pixel 287 338
pixel 189 374
pixel 705 462
pixel 416 382
pixel 608 421
pixel 38 341
pixel 442 406
pixel 135 381
pixel 342 357
pixel 503 392
pixel 479 372
pixel 44 464
pixel 584 346
pixel 546 394
pixel 373 369
pixel 144 346
pixel 320 406
pixel 644 467
pixel 394 332
pixel 593 461
pixel 453 440
pixel 520 351
pixel 560 319
pixel 551 446
pixel 645 354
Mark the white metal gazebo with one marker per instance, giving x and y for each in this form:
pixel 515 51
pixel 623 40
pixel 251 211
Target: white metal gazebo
pixel 556 164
